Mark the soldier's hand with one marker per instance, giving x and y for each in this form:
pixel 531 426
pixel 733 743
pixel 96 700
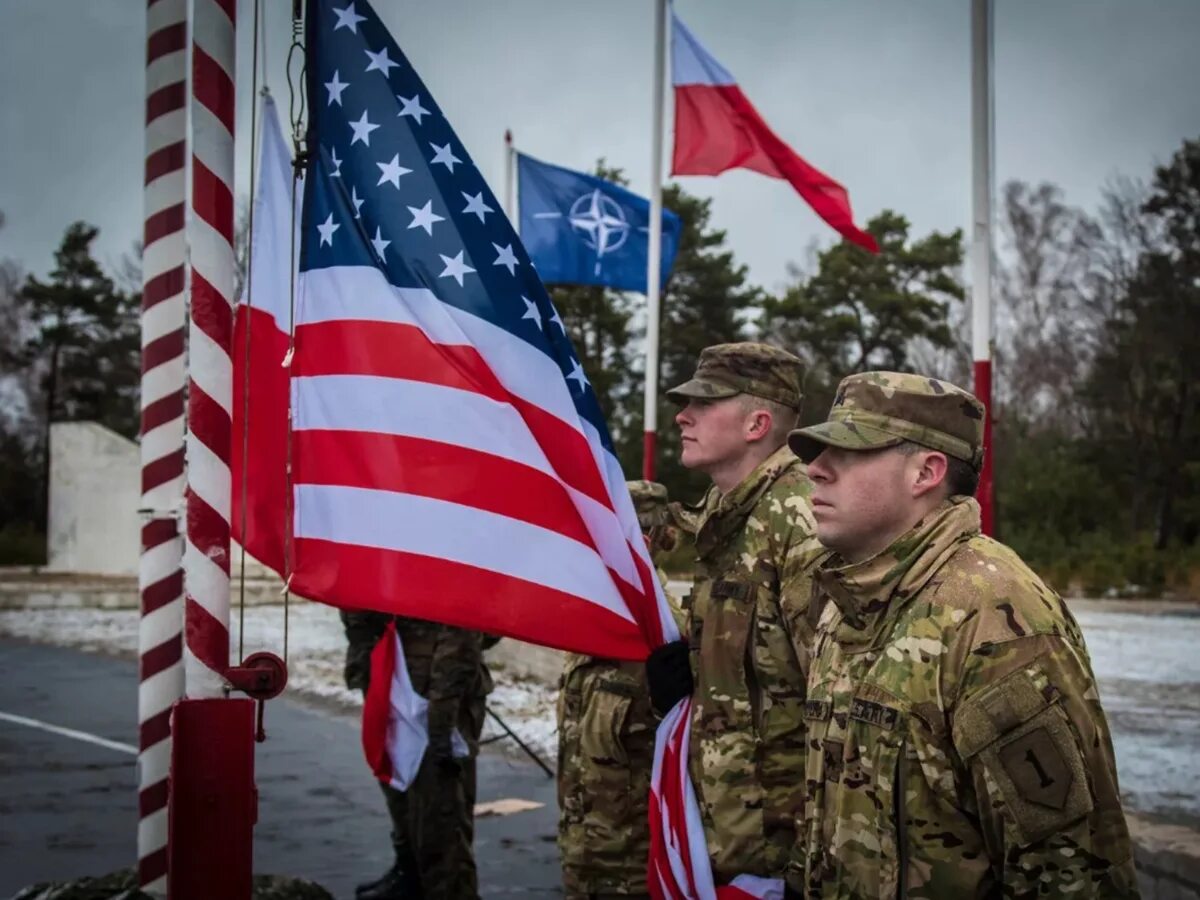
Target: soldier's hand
pixel 790 893
pixel 449 765
pixel 669 675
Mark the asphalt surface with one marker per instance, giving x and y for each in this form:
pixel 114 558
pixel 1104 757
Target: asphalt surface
pixel 68 808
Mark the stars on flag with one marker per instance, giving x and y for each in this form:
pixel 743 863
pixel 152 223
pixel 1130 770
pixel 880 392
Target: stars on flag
pixel 362 130
pixel 393 119
pixel 455 267
pixel 348 18
pixel 576 375
pixel 531 312
pixel 476 204
pixel 380 62
pixel 444 156
pixel 327 228
pixel 379 244
pixel 505 257
pixel 411 106
pixel 424 217
pixel 391 171
pixel 335 89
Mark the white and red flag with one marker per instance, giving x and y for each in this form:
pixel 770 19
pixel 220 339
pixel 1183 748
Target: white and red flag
pixel 717 128
pixel 261 325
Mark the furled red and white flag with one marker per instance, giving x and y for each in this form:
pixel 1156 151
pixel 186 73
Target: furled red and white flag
pixel 717 128
pixel 260 344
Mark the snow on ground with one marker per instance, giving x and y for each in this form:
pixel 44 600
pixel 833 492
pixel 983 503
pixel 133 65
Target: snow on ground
pixel 1148 666
pixel 316 652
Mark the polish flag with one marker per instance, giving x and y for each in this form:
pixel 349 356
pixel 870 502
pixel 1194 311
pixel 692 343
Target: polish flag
pixel 717 128
pixel 260 344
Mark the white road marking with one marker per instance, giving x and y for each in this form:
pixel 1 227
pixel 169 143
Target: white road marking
pixel 69 732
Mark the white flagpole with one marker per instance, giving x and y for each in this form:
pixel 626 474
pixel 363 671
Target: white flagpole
pixel 654 261
pixel 981 236
pixel 510 159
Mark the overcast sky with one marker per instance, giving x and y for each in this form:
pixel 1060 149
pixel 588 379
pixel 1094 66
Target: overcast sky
pixel 875 92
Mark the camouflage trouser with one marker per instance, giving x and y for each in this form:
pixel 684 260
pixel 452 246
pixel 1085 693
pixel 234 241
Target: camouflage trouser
pixel 433 822
pixel 433 825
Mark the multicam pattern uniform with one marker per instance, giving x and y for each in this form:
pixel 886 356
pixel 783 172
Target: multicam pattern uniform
pixel 957 747
pixel 605 753
pixel 433 821
pixel 749 610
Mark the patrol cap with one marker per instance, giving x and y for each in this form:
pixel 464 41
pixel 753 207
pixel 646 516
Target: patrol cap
pixel 650 503
pixel 725 370
pixel 881 409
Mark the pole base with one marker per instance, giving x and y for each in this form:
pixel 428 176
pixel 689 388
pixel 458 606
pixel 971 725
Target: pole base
pixel 213 801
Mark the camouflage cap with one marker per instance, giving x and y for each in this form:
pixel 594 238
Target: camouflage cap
pixel 725 370
pixel 881 409
pixel 650 503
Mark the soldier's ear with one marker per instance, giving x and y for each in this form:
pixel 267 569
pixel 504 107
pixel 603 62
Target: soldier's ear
pixel 930 472
pixel 759 425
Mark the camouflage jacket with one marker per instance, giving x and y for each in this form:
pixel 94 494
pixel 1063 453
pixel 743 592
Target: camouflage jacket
pixel 748 614
pixel 445 664
pixel 605 753
pixel 957 747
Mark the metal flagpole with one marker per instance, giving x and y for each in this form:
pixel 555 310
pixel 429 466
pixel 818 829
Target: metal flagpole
pixel 509 175
pixel 160 567
pixel 981 238
pixel 654 257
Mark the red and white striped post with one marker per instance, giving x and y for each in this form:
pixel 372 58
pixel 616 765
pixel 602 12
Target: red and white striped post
pixel 160 569
pixel 210 367
pixel 212 803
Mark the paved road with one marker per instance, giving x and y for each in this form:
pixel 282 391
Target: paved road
pixel 68 808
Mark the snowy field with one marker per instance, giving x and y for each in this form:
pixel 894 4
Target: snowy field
pixel 1148 666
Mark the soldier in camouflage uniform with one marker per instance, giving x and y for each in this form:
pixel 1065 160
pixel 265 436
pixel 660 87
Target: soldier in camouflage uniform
pixel 744 662
pixel 957 747
pixel 433 821
pixel 606 751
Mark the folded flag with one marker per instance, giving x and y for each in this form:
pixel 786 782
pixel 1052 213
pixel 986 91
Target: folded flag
pixel 717 128
pixel 582 229
pixel 395 722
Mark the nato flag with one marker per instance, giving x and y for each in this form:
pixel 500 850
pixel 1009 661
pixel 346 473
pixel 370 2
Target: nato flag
pixel 580 229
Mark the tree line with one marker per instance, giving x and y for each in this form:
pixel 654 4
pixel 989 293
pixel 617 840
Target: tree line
pixel 1097 360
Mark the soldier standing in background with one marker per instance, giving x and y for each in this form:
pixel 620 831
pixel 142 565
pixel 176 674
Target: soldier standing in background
pixel 957 747
pixel 606 750
pixel 433 821
pixel 744 662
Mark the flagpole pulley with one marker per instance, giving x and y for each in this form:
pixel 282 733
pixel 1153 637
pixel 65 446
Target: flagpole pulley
pixel 262 676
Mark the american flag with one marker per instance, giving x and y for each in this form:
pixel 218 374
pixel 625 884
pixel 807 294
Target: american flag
pixel 450 459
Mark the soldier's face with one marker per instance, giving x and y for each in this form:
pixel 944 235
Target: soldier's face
pixel 711 433
pixel 861 500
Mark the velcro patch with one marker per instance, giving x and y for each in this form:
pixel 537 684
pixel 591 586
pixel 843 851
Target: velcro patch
pixel 735 590
pixel 1038 771
pixel 874 713
pixel 817 709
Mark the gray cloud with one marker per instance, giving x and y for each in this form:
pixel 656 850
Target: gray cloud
pixel 873 91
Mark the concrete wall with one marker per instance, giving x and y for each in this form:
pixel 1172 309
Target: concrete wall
pixel 95 487
pixel 93 525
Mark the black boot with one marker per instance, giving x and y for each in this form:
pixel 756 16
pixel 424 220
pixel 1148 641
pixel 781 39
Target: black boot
pixel 397 883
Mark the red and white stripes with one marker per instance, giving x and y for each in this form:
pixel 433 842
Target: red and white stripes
pixel 160 573
pixel 210 394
